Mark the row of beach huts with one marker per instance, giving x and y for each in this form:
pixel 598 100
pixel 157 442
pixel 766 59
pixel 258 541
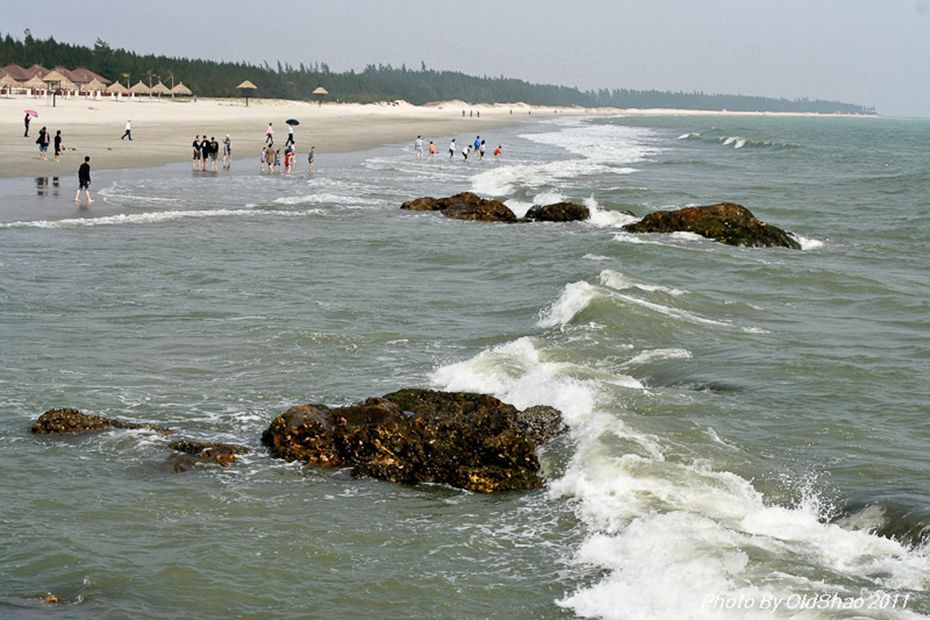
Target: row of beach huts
pixel 80 82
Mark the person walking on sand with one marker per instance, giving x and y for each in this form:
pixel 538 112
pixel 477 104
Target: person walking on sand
pixel 128 132
pixel 290 135
pixel 227 152
pixel 214 151
pixel 26 122
pixel 418 147
pixel 310 159
pixel 42 141
pixel 452 149
pixel 195 145
pixel 58 145
pixel 269 135
pixel 84 181
pixel 204 152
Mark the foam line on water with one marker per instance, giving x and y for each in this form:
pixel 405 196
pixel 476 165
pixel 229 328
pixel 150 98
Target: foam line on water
pixel 155 217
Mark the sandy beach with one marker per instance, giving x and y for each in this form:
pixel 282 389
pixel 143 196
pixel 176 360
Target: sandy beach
pixel 163 129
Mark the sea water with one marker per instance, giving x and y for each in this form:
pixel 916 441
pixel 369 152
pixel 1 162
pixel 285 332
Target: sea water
pixel 748 426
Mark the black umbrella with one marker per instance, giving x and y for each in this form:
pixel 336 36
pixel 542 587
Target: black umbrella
pixel 292 121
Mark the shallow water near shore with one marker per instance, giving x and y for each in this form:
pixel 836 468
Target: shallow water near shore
pixel 743 420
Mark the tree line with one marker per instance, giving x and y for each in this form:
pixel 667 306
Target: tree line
pixel 374 83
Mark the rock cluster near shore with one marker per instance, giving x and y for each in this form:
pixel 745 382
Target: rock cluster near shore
pixel 466 440
pixel 470 206
pixel 726 222
pixel 470 441
pixel 70 421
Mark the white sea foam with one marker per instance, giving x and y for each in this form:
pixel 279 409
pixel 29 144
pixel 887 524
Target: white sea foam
pixel 654 355
pixel 156 217
pixel 806 243
pixel 606 218
pixel 619 282
pixel 575 297
pixel 322 198
pixel 595 257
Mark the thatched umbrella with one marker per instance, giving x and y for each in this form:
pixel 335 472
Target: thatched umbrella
pixel 181 89
pixel 247 89
pixel 35 83
pixel 117 89
pixel 139 88
pixel 8 82
pixel 160 89
pixel 95 86
pixel 319 91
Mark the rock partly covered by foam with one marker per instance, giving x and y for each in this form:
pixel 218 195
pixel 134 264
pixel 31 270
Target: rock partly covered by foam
pixel 726 222
pixel 204 452
pixel 72 421
pixel 558 212
pixel 471 441
pixel 464 206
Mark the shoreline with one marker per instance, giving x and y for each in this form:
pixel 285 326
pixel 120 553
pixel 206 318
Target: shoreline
pixel 163 128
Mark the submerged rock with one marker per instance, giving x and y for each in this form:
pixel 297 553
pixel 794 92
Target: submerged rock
pixel 558 212
pixel 204 452
pixel 72 421
pixel 726 222
pixel 464 206
pixel 471 441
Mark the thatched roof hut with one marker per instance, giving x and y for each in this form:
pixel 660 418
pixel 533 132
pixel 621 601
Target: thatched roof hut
pixel 140 88
pixel 181 89
pixel 16 72
pixel 55 79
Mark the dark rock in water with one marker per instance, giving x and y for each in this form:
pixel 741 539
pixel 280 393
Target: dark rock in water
pixel 72 421
pixel 558 212
pixel 464 206
pixel 726 222
pixel 421 204
pixel 470 441
pixel 469 206
pixel 205 452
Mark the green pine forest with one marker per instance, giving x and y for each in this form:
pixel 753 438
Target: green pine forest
pixel 421 85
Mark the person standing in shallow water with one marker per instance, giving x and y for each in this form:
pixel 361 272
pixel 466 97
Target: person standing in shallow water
pixel 227 152
pixel 84 181
pixel 310 159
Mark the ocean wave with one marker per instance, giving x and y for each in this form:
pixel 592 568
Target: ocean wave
pixel 323 198
pixel 619 282
pixel 739 142
pixel 807 243
pixel 575 297
pixel 156 217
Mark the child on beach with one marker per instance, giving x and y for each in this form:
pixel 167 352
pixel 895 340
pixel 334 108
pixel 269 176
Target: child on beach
pixel 432 151
pixel 498 152
pixel 466 151
pixel 288 158
pixel 58 145
pixel 277 161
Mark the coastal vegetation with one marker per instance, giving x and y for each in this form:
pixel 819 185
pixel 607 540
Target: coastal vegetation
pixel 375 82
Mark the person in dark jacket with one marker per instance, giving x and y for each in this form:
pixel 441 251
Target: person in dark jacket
pixel 84 181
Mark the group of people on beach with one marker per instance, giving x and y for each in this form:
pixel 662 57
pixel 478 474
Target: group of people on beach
pixel 206 153
pixel 479 147
pixel 273 160
pixel 44 139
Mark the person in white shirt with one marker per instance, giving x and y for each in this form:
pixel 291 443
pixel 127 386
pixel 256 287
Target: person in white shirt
pixel 128 132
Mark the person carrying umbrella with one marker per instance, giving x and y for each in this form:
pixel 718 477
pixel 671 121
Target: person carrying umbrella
pixel 28 119
pixel 291 123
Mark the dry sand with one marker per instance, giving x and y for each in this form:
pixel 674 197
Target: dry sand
pixel 163 129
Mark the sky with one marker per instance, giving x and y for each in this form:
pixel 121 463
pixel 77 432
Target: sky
pixel 867 52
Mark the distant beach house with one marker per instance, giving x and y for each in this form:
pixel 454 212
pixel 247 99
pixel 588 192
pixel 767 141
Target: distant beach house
pixel 38 81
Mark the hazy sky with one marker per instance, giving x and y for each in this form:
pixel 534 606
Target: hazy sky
pixel 869 52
